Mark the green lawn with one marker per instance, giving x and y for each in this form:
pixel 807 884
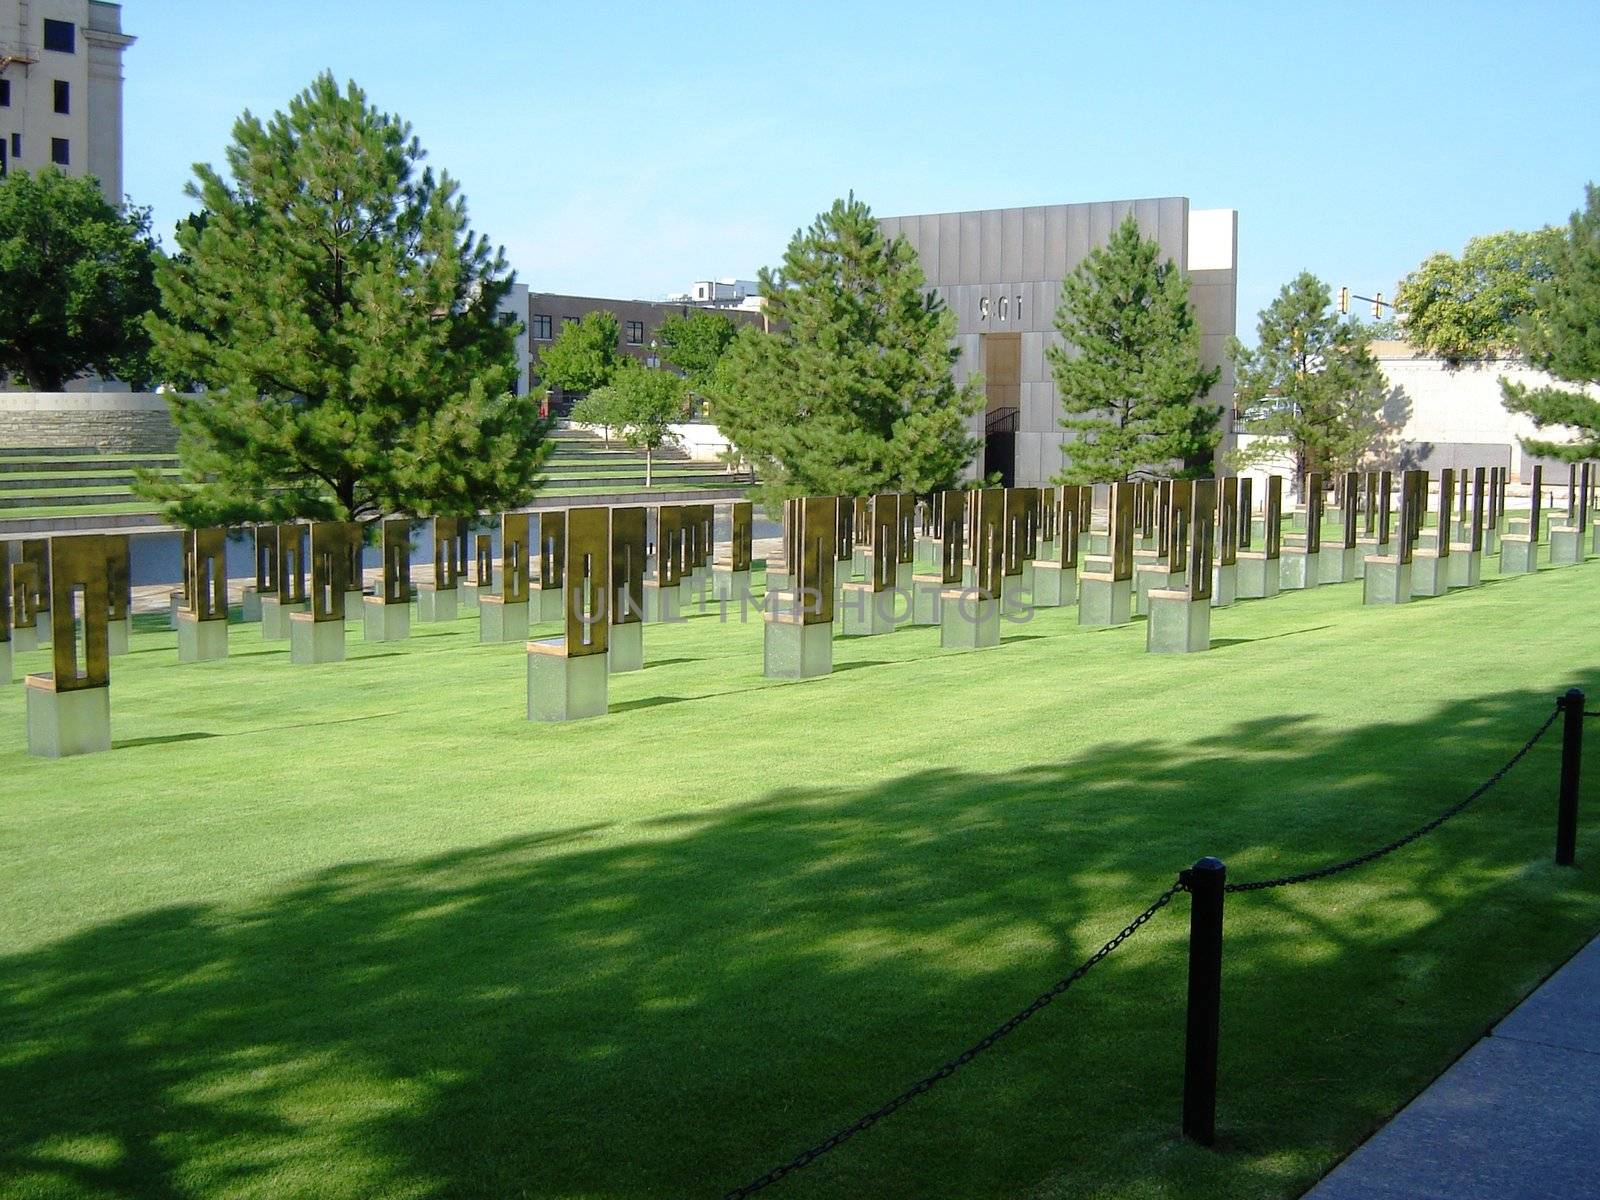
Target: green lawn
pixel 361 930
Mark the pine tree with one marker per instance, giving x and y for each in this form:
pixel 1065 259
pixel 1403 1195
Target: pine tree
pixel 1311 389
pixel 342 322
pixel 851 393
pixel 76 278
pixel 1131 385
pixel 1563 338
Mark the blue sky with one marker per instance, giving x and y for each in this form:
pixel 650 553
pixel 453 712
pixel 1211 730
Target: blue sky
pixel 625 150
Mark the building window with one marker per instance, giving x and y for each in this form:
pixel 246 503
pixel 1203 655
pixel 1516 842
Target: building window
pixel 635 333
pixel 16 146
pixel 541 327
pixel 61 36
pixel 5 93
pixel 60 153
pixel 63 96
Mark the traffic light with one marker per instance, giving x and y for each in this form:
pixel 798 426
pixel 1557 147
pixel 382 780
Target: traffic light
pixel 1377 307
pixel 1344 302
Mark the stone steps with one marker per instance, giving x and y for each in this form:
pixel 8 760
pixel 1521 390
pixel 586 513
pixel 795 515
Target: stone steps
pixel 58 480
pixel 47 479
pixel 15 462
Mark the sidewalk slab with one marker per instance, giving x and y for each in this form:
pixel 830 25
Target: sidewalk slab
pixel 1518 1116
pixel 1565 1011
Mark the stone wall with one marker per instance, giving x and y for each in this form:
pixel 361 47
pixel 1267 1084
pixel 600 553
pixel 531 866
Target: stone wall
pixel 1452 416
pixel 113 422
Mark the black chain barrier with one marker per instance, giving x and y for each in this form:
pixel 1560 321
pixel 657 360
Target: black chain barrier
pixel 1359 860
pixel 929 1081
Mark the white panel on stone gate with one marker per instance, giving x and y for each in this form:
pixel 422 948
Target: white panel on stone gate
pixel 1213 239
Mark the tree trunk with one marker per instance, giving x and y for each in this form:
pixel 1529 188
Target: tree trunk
pixel 41 381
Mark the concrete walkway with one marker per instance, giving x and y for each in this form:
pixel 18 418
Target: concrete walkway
pixel 1517 1116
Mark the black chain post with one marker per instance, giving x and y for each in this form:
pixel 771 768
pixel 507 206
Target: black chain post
pixel 1571 759
pixel 1206 880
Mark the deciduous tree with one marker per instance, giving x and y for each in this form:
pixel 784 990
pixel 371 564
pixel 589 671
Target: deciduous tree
pixel 597 408
pixel 696 343
pixel 643 404
pixel 1471 307
pixel 584 355
pixel 76 280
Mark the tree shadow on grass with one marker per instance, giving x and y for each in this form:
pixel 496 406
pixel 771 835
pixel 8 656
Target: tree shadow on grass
pixel 668 1009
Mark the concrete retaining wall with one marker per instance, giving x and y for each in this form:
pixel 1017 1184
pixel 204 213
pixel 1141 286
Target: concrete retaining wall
pixel 700 441
pixel 1453 416
pixel 114 422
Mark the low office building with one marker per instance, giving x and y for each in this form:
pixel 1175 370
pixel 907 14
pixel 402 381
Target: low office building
pixel 1000 272
pixel 720 293
pixel 61 88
